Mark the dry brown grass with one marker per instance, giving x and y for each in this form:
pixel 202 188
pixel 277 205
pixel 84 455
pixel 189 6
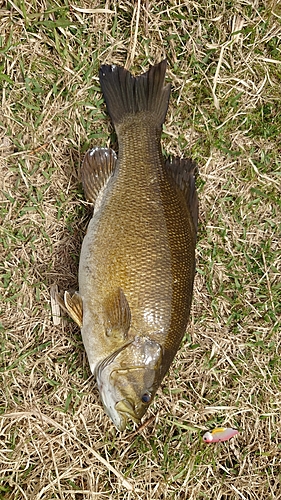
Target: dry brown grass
pixel 225 68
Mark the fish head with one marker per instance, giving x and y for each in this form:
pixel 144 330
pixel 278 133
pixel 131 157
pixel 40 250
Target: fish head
pixel 128 380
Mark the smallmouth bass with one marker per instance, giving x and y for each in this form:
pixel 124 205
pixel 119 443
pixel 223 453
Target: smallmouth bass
pixel 137 261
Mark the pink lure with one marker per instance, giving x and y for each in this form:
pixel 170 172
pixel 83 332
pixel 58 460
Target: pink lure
pixel 219 434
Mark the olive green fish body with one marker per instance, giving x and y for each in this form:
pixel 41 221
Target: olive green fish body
pixel 141 241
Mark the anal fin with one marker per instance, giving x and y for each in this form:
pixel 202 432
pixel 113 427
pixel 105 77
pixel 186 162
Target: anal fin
pixel 184 171
pixel 97 167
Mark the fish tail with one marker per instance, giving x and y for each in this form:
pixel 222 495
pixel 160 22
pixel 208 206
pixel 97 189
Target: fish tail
pixel 126 95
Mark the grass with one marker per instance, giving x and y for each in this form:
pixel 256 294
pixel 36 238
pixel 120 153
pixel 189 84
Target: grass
pixel 224 65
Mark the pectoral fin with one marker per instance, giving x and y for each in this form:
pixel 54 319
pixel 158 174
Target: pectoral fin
pixel 183 172
pixel 97 167
pixel 117 315
pixel 73 306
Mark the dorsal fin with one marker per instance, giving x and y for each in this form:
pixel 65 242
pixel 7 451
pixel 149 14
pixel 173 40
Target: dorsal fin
pixel 183 171
pixel 97 167
pixel 117 315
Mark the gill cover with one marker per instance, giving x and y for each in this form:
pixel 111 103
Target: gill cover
pixel 128 380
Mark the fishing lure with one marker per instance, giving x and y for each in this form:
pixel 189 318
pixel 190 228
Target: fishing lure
pixel 219 434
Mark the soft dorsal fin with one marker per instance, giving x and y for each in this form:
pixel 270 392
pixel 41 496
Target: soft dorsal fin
pixel 183 172
pixel 73 305
pixel 97 167
pixel 117 315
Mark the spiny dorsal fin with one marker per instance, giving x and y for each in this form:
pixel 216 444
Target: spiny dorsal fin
pixel 183 171
pixel 128 95
pixel 97 167
pixel 117 315
pixel 72 305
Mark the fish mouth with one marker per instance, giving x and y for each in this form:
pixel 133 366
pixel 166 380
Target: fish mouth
pixel 126 409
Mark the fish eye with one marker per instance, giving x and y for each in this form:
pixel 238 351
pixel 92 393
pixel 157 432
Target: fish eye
pixel 146 397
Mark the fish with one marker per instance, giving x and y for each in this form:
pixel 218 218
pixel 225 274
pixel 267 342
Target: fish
pixel 137 261
pixel 219 434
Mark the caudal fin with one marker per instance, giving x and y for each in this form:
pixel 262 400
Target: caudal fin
pixel 128 95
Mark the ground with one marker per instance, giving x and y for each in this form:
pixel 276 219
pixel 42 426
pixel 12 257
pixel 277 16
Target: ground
pixel 224 64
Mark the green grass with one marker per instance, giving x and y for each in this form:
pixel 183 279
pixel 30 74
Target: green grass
pixel 225 113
